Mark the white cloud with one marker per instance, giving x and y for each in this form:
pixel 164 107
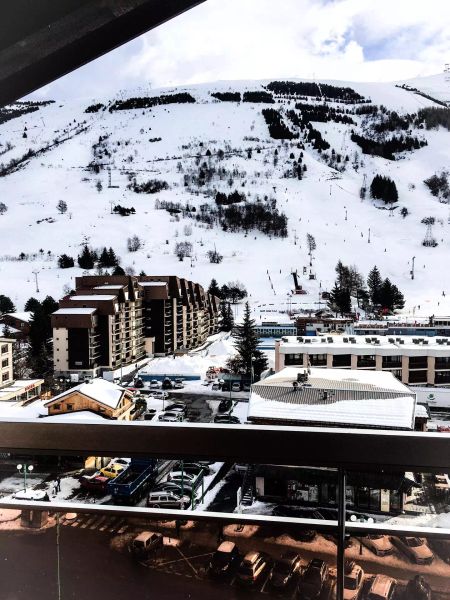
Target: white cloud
pixel 253 39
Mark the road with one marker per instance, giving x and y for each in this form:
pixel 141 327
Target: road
pixel 90 570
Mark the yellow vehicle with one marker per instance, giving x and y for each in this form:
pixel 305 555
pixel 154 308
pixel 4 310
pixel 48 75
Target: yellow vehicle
pixel 112 470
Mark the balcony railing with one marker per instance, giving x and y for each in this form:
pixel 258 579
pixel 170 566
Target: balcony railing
pixel 345 450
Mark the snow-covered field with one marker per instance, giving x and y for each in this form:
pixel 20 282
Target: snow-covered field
pixel 325 203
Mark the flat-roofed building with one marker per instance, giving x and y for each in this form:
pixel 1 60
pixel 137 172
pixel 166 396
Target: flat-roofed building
pixel 413 360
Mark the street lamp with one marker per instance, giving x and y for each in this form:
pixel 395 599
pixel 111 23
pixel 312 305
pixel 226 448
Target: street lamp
pixel 356 519
pixel 23 469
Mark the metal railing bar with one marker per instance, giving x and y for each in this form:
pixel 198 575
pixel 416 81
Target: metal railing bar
pixel 225 518
pixel 351 449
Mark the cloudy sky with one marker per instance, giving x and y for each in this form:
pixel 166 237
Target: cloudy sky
pixel 352 40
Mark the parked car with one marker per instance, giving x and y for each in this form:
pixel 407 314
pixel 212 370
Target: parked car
pixel 441 547
pixel 216 386
pixel 382 588
pixel 146 543
pixel 181 475
pixel 353 582
pixel 225 405
pixel 160 395
pixel 285 570
pixel 138 383
pixel 167 384
pixel 235 387
pixel 154 383
pixel 252 568
pixel 195 468
pixel 313 579
pixel 167 499
pixel 94 483
pixel 415 548
pixel 150 414
pixel 246 387
pixel 226 419
pixel 35 495
pixel 112 470
pixel 418 589
pixel 224 559
pixel 377 543
pixel 121 461
pixel 179 384
pixel 171 417
pixel 176 407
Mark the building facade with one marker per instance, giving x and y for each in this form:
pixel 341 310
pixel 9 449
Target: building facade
pixel 6 361
pixel 114 321
pixel 413 360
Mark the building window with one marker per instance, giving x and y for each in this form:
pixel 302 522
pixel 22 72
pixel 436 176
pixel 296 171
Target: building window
pixel 391 362
pixel 293 359
pixel 318 360
pixel 342 360
pixel 417 376
pixel 5 376
pixel 69 406
pixel 418 362
pixel 4 348
pixel 5 362
pixel 442 362
pixel 57 406
pixel 442 377
pixel 366 361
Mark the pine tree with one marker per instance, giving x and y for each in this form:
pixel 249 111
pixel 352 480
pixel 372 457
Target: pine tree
pixel 6 305
pixel 32 304
pixel 65 262
pixel 103 260
pixel 214 289
pixel 374 283
pixel 113 260
pixel 118 271
pixel 340 300
pixel 248 358
pixel 86 259
pixel 226 317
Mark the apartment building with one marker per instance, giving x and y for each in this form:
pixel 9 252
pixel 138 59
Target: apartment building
pixel 412 360
pixel 6 361
pixel 115 321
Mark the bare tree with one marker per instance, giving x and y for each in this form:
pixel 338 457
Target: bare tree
pixel 183 249
pixel 134 243
pixel 3 208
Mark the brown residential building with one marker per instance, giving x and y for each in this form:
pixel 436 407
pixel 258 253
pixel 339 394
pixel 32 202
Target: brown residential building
pixel 114 321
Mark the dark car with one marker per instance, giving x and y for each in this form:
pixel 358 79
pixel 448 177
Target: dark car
pixel 225 405
pixel 94 483
pixel 313 580
pixel 442 548
pixel 194 468
pixel 252 568
pixel 166 384
pixel 138 383
pixel 224 559
pixel 285 570
pixel 226 419
pixel 418 589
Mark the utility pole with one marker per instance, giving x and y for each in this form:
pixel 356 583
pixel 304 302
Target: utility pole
pixel 35 273
pixel 412 268
pixel 345 212
pixel 368 239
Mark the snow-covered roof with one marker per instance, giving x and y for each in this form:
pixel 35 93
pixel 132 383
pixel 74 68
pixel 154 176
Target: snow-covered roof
pixel 153 283
pixel 109 286
pixel 80 415
pixel 339 379
pixel 22 316
pixel 98 389
pixel 361 398
pixel 75 311
pixel 365 344
pixel 95 297
pixel 421 411
pixel 19 386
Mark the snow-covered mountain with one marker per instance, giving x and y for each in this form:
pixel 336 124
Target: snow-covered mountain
pixel 88 160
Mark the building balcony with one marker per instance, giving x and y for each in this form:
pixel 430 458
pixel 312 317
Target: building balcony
pixel 380 454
